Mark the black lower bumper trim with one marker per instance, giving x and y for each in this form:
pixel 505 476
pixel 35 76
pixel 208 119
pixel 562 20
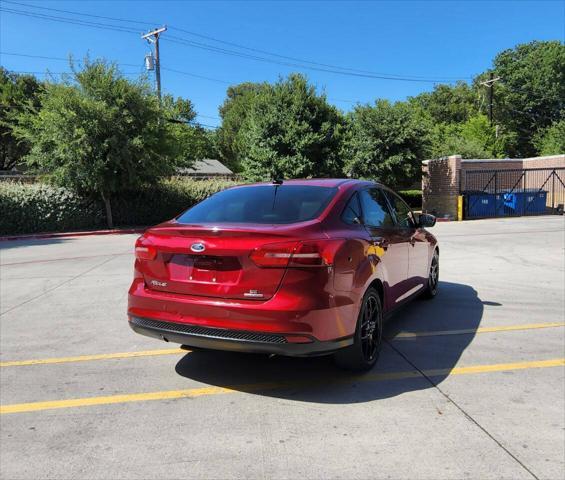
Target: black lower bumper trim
pixel 230 340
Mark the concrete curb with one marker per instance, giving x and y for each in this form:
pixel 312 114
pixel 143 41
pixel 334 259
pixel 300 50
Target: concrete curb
pixel 38 236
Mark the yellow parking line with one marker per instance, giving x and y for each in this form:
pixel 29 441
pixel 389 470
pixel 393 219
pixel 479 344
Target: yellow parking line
pixel 87 358
pixel 530 326
pixel 197 392
pixel 151 353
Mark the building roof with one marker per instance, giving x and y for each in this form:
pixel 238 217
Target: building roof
pixel 206 166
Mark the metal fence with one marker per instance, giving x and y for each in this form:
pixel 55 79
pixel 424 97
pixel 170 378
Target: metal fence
pixel 516 192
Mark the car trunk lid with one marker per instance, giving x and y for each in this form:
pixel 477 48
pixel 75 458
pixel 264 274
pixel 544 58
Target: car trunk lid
pixel 212 261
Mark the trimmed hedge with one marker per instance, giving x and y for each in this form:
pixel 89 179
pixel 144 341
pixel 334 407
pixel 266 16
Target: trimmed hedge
pixel 164 200
pixel 412 197
pixel 35 208
pixel 38 207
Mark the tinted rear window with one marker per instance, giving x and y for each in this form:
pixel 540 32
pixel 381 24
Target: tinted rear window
pixel 261 204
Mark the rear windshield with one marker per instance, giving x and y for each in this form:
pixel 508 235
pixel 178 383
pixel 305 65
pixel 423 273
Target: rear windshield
pixel 261 204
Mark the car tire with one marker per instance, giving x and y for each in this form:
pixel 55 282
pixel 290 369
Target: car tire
pixel 433 278
pixel 364 353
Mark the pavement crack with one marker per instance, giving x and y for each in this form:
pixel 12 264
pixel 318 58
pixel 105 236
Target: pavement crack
pixel 463 411
pixel 45 292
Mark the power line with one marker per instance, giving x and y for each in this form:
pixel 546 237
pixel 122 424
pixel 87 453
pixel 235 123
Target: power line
pixel 79 13
pixel 303 61
pixel 57 58
pixel 190 74
pixel 27 72
pixel 181 72
pixel 204 125
pixel 203 46
pixel 71 21
pixel 208 47
pixel 172 70
pixel 208 116
pixel 233 44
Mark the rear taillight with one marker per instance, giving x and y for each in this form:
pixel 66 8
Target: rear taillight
pixel 315 253
pixel 144 250
pixel 273 254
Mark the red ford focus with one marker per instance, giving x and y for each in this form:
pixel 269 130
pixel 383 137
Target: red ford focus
pixel 304 267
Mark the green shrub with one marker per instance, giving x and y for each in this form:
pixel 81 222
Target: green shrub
pixel 33 208
pixel 412 198
pixel 164 200
pixel 36 207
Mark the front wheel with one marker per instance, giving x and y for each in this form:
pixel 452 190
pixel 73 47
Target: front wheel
pixel 364 352
pixel 433 277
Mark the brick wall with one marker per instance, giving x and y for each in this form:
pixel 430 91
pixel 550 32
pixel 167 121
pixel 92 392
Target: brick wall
pixel 440 186
pixel 442 179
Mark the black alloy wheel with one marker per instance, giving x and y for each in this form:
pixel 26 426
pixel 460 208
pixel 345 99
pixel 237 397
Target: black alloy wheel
pixel 364 352
pixel 433 278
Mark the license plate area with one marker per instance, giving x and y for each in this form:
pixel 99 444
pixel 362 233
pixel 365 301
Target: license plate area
pixel 204 269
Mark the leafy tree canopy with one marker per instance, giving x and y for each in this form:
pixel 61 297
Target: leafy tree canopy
pixel 192 142
pixel 290 131
pixel 16 92
pixel 385 141
pixel 475 138
pixel 551 141
pixel 531 93
pixel 234 112
pixel 448 104
pixel 98 133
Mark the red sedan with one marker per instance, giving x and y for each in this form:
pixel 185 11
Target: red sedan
pixel 300 267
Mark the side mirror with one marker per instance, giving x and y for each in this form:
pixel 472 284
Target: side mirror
pixel 426 220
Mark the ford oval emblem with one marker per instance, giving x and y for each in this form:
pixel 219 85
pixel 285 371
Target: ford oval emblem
pixel 198 247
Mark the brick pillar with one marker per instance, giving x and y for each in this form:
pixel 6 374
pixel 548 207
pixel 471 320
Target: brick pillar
pixel 440 186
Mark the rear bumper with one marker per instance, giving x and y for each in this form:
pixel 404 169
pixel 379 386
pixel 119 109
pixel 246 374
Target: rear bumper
pixel 293 310
pixel 233 340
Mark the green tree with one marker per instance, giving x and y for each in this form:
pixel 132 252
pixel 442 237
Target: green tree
pixel 192 142
pixel 386 141
pixel 475 138
pixel 234 112
pixel 198 143
pixel 290 132
pixel 551 141
pixel 530 94
pixel 448 104
pixel 17 92
pixel 100 134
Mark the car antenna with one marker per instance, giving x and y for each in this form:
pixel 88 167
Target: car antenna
pixel 277 182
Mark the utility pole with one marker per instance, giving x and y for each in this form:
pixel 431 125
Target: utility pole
pixel 490 84
pixel 153 37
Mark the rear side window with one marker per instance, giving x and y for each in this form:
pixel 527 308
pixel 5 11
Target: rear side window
pixel 400 210
pixel 352 213
pixel 375 209
pixel 268 204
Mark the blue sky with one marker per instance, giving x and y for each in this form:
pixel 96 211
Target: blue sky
pixel 431 39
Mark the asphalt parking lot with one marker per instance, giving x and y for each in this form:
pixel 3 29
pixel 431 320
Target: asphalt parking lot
pixel 469 385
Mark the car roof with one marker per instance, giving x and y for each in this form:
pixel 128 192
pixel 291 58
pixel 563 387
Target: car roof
pixel 319 182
